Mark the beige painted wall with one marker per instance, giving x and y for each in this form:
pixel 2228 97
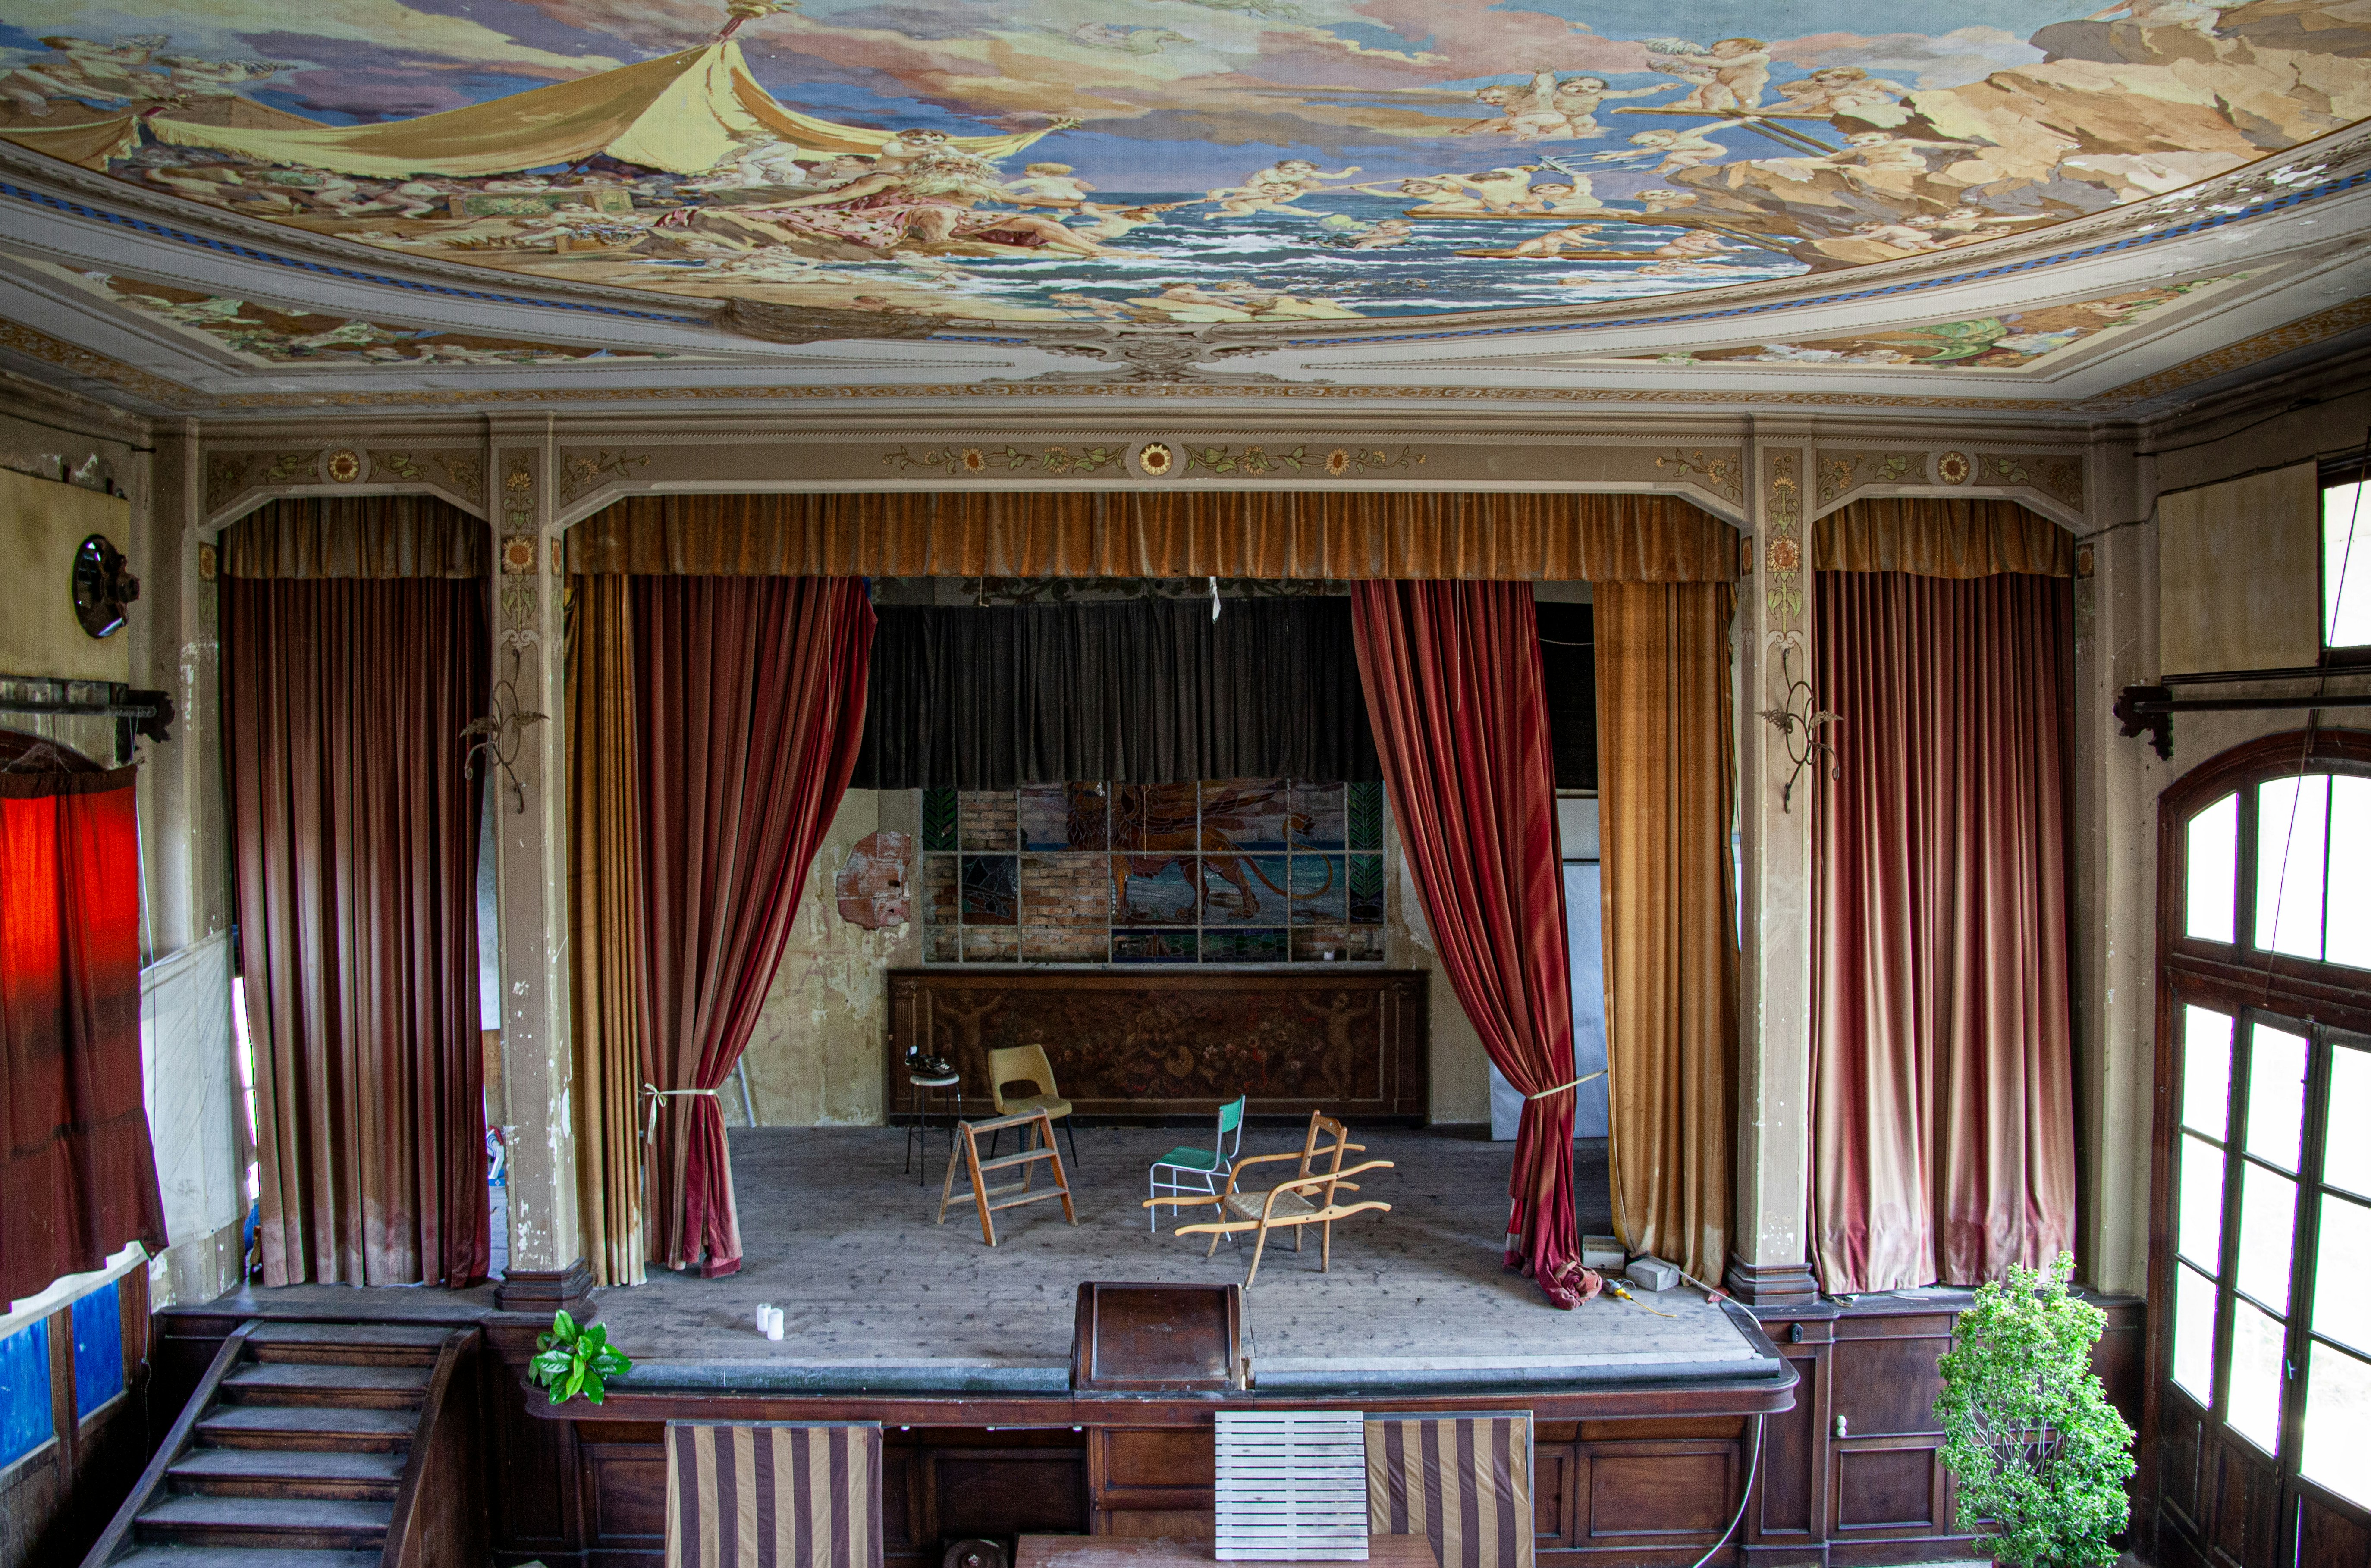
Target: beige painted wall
pixel 2117 781
pixel 2240 573
pixel 815 1060
pixel 43 524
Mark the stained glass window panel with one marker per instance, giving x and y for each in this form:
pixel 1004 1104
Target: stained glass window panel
pixel 1320 819
pixel 991 890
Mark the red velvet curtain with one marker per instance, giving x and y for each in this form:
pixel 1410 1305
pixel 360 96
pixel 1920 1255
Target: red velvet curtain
pixel 1942 1058
pixel 1456 696
pixel 355 842
pixel 80 1178
pixel 749 697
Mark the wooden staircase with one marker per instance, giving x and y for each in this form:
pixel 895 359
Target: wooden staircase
pixel 312 1445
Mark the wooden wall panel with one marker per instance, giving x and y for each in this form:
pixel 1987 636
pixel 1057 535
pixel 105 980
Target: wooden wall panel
pixel 1352 1043
pixel 2330 1538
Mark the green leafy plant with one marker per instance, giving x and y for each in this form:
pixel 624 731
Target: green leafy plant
pixel 2040 1455
pixel 570 1361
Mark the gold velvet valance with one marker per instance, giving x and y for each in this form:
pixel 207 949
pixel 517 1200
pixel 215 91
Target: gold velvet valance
pixel 356 536
pixel 1340 535
pixel 1937 536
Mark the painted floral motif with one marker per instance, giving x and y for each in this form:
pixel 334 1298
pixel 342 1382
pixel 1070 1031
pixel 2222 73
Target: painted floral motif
pixel 1953 467
pixel 1783 552
pixel 1259 460
pixel 1154 458
pixel 345 467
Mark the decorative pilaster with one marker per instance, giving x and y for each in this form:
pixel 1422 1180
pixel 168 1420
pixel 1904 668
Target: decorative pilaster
pixel 1769 1259
pixel 525 791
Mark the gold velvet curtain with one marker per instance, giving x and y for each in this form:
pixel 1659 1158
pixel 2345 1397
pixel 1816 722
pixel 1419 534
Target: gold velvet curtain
pixel 1938 536
pixel 1942 1056
pixel 1666 794
pixel 356 536
pixel 1340 535
pixel 605 924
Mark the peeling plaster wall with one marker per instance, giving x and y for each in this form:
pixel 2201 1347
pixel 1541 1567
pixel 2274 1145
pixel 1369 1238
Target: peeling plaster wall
pixel 815 1059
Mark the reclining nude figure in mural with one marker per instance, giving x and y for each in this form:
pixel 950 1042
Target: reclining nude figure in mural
pixel 927 203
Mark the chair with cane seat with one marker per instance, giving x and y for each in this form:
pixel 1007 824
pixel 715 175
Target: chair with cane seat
pixel 1027 1065
pixel 1310 1198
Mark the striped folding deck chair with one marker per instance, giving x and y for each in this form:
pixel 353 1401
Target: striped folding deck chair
pixel 1465 1482
pixel 773 1494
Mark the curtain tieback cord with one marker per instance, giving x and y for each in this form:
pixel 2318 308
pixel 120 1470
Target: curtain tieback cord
pixel 1562 1087
pixel 653 1093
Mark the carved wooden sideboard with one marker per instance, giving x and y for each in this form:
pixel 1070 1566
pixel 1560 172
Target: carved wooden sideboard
pixel 1352 1043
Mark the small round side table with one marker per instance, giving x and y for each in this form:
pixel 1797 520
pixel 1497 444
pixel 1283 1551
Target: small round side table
pixel 921 1122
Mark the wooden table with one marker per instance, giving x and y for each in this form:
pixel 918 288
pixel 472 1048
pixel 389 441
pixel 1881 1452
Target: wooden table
pixel 1171 1551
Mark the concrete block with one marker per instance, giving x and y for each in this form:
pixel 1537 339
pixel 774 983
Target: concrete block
pixel 1602 1253
pixel 1653 1273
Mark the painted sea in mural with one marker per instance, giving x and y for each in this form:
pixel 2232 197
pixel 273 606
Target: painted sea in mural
pixel 1172 160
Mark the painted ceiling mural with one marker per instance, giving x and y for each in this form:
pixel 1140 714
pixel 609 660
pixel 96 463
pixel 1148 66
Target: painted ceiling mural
pixel 1159 161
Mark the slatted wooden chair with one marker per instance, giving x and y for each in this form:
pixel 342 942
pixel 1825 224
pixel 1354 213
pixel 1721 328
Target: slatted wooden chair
pixel 1311 1197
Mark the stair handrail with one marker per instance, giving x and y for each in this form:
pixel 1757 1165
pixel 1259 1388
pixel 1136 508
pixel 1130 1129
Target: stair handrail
pixel 418 1501
pixel 110 1543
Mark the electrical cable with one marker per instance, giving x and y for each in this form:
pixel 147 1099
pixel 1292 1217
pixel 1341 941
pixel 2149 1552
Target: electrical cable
pixel 1753 1467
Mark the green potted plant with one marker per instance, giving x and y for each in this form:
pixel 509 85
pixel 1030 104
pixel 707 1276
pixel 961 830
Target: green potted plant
pixel 2041 1455
pixel 570 1361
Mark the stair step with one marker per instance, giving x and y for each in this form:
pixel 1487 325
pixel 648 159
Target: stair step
pixel 162 1555
pixel 407 1344
pixel 349 1388
pixel 316 1427
pixel 288 1472
pixel 316 1523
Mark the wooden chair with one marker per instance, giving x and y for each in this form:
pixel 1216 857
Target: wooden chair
pixel 1310 1198
pixel 1027 1065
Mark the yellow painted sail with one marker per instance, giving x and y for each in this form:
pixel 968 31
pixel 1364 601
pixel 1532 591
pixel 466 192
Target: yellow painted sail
pixel 683 112
pixel 90 143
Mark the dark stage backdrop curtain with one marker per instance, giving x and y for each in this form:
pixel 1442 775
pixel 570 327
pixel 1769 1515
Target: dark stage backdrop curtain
pixel 750 703
pixel 1666 794
pixel 605 930
pixel 1451 673
pixel 80 1178
pixel 1942 1054
pixel 1151 692
pixel 1336 535
pixel 355 840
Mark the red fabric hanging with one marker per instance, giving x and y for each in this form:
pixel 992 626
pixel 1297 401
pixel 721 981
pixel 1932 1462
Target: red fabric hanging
pixel 355 842
pixel 1942 1051
pixel 750 693
pixel 79 1176
pixel 1456 696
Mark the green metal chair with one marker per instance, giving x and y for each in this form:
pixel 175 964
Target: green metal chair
pixel 1205 1167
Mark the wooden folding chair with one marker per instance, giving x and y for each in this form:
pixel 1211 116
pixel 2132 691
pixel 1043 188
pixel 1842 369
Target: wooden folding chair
pixel 1310 1198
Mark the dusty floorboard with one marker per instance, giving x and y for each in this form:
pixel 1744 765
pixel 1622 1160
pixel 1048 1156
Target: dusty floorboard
pixel 834 1233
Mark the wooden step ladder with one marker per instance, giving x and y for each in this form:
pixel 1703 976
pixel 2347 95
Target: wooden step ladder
pixel 964 1157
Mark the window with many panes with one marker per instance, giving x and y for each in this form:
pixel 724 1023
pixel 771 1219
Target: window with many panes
pixel 1228 871
pixel 2267 1281
pixel 2346 566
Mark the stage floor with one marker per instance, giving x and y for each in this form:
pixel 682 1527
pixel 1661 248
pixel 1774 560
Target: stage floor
pixel 880 1297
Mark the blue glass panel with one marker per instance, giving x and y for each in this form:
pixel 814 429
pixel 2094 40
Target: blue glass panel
pixel 1318 895
pixel 1153 947
pixel 1243 947
pixel 98 1348
pixel 1252 890
pixel 25 1422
